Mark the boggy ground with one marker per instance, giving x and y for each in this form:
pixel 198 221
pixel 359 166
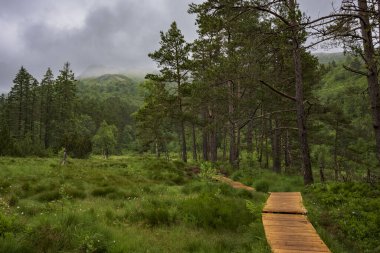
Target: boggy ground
pixel 125 204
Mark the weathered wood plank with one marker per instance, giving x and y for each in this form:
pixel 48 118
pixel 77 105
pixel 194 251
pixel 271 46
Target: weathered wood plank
pixel 287 228
pixel 285 202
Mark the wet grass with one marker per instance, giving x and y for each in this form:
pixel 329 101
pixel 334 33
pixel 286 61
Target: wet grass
pixel 125 204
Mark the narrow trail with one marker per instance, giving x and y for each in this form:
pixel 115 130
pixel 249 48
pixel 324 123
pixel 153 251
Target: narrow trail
pixel 285 222
pixel 286 225
pixel 232 183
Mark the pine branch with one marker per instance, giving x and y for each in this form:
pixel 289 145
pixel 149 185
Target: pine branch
pixel 277 91
pixel 359 72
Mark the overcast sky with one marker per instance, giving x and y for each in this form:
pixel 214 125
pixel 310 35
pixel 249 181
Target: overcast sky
pixel 115 34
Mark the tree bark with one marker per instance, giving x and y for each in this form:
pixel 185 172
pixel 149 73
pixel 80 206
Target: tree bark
pixel 231 111
pixel 276 148
pixel 195 157
pixel 336 165
pixel 232 144
pixel 260 156
pixel 372 69
pixel 238 142
pixel 205 137
pixel 266 146
pixel 183 138
pixel 250 141
pixel 225 144
pixel 213 146
pixel 301 118
pixel 286 150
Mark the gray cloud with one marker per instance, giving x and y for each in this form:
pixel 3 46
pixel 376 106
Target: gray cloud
pixel 117 34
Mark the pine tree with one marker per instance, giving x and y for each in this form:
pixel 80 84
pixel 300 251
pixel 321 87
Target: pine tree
pixel 64 105
pixel 19 102
pixel 46 107
pixel 173 60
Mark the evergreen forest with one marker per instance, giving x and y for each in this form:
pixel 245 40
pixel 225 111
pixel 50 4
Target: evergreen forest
pixel 118 163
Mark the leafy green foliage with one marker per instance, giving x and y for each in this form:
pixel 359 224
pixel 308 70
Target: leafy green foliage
pixel 349 210
pixel 207 171
pixel 105 139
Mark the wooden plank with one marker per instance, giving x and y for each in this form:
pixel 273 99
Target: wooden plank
pixel 292 233
pixel 285 202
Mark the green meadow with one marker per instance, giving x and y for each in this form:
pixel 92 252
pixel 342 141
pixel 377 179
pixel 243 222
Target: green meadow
pixel 124 204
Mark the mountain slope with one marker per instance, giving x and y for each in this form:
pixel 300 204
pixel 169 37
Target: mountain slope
pixel 110 85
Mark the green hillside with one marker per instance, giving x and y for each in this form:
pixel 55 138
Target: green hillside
pixel 325 58
pixel 110 85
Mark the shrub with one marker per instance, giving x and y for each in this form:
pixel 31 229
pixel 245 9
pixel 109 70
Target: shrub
pixel 103 191
pixel 4 185
pixel 352 211
pixel 166 171
pixel 6 225
pixel 262 186
pixel 154 213
pixel 71 191
pixel 210 211
pixel 48 196
pixel 13 200
pixel 207 171
pixel 68 233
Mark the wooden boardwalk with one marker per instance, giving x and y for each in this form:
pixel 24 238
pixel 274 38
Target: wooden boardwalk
pixel 285 202
pixel 286 226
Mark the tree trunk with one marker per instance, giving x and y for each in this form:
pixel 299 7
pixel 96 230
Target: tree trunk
pixel 232 144
pixel 183 137
pixel 301 118
pixel 260 155
pixel 238 142
pixel 195 157
pixel 250 141
pixel 225 144
pixel 336 165
pixel 213 146
pixel 276 148
pixel 266 147
pixel 233 125
pixel 205 138
pixel 286 150
pixel 321 172
pixel 372 69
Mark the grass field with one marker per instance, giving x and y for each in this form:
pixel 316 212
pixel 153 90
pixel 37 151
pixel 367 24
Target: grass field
pixel 125 204
pixel 143 204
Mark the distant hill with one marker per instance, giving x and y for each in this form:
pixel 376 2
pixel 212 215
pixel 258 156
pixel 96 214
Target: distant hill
pixel 111 85
pixel 325 58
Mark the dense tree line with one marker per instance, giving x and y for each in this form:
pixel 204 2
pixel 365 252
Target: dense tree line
pixel 57 113
pixel 248 87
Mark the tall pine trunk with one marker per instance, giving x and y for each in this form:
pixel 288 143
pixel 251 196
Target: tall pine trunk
pixel 205 137
pixel 372 69
pixel 195 157
pixel 213 146
pixel 225 143
pixel 287 150
pixel 276 147
pixel 183 142
pixel 250 141
pixel 301 118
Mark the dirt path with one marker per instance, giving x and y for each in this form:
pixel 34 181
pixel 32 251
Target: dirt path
pixel 286 225
pixel 233 184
